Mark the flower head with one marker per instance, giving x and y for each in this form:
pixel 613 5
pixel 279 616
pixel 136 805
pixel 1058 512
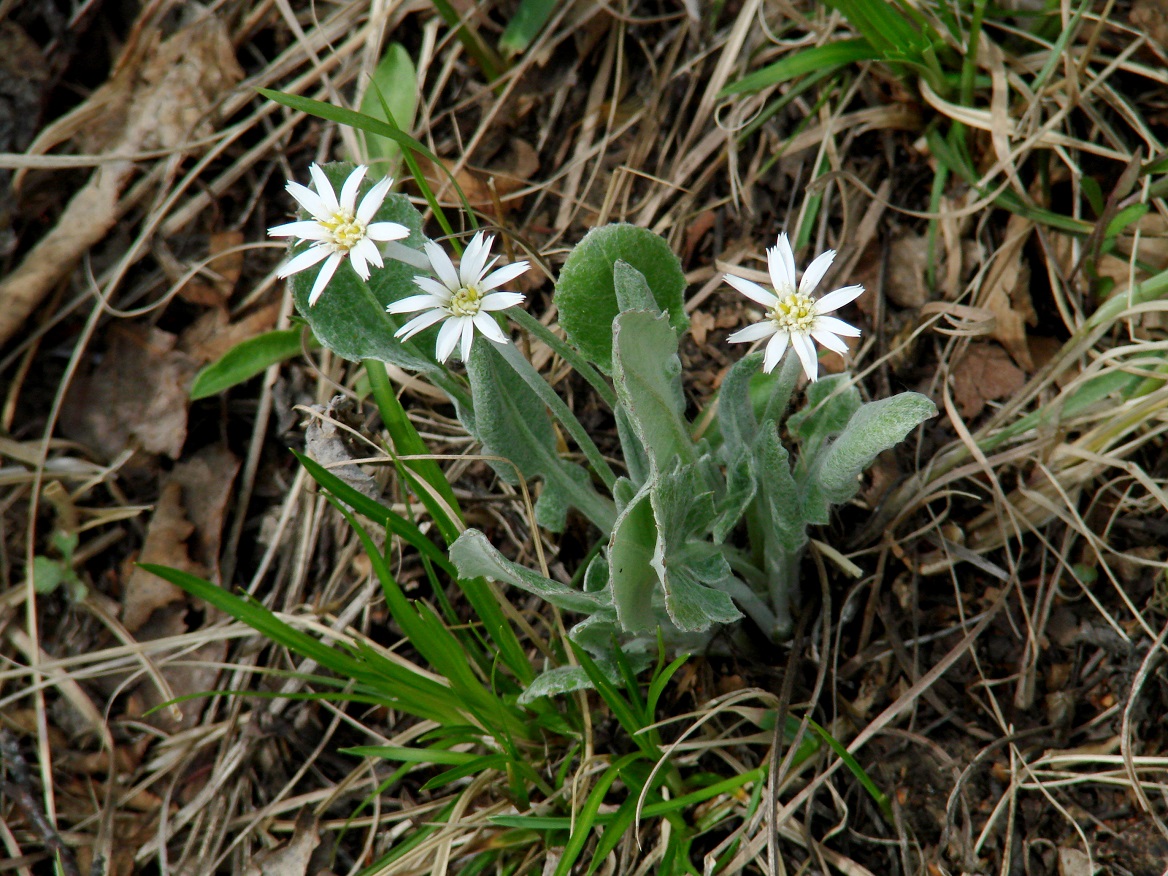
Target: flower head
pixel 338 227
pixel 792 315
pixel 462 297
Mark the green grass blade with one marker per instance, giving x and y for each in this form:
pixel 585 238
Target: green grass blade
pixel 407 442
pixel 854 767
pixel 378 513
pixel 821 60
pixel 586 817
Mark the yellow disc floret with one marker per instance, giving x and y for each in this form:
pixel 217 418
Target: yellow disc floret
pixel 345 230
pixel 794 313
pixel 466 301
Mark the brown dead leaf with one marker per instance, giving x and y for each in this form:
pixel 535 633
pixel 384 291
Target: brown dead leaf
pixel 491 189
pixel 136 396
pixel 213 333
pixel 165 545
pixel 206 480
pixel 700 323
pixel 698 227
pixel 161 97
pixel 214 288
pixel 1151 18
pixel 292 858
pixel 908 261
pixel 985 373
pixel 1005 292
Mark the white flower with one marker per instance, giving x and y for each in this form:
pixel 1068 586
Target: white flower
pixel 462 297
pixel 792 315
pixel 337 228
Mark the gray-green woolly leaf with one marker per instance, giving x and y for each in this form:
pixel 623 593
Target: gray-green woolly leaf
pixel 474 556
pixel 349 317
pixel 647 376
pixel 831 402
pixel 688 565
pixel 568 679
pixel 623 492
pixel 586 295
pixel 513 422
pixel 735 411
pixel 630 551
pixel 740 491
pixel 632 289
pixel 551 508
pixel 598 633
pixel 636 459
pixel 596 575
pixel 874 428
pixel 782 512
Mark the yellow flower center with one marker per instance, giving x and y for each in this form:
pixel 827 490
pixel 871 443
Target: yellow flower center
pixel 345 232
pixel 466 301
pixel 794 313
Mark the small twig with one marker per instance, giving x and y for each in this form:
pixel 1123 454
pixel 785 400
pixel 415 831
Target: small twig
pixel 19 790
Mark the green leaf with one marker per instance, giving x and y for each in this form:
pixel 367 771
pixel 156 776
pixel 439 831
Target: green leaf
pixel 474 555
pixel 525 25
pixel 586 293
pixel 874 428
pixel 245 360
pixel 47 574
pixel 630 552
pixel 395 80
pixel 647 374
pixel 632 290
pixel 689 566
pixel 831 402
pixel 735 411
pixel 778 492
pixel 741 487
pixel 513 422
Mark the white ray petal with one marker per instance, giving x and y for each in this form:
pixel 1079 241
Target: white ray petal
pixel 432 286
pixel 775 350
pixel 419 323
pixel 830 341
pixel 505 274
pixel 357 260
pixel 752 290
pixel 448 338
pixel 835 326
pixel 368 250
pixel 386 231
pixel 350 188
pixel 325 189
pixel 474 258
pixel 815 272
pixel 416 302
pixel 308 199
pixel 500 301
pixel 306 229
pixel 306 259
pixel 442 266
pixel 755 331
pixel 322 279
pixel 467 339
pixel 486 324
pixel 781 264
pixel 838 298
pixel 373 200
pixel 806 352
